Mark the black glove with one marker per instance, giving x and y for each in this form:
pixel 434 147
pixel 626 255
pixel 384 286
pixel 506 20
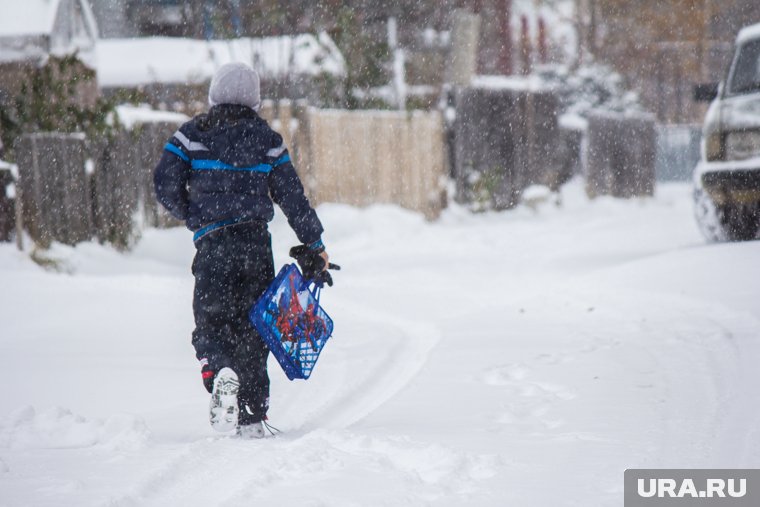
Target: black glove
pixel 208 377
pixel 313 265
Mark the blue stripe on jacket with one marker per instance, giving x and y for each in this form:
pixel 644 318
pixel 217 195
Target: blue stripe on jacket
pixel 216 225
pixel 218 165
pixel 210 165
pixel 173 149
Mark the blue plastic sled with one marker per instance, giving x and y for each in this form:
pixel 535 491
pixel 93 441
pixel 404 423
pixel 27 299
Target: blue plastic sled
pixel 291 322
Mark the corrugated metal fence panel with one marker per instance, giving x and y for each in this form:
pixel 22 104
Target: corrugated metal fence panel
pixel 504 140
pixel 677 151
pixel 621 155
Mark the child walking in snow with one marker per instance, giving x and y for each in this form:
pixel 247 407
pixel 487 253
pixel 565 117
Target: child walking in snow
pixel 220 173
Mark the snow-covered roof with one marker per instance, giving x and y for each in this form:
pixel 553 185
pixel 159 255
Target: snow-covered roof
pixel 139 61
pixel 33 29
pixel 27 17
pixel 748 33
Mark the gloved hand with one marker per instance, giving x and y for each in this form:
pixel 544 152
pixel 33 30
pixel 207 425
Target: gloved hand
pixel 313 264
pixel 208 376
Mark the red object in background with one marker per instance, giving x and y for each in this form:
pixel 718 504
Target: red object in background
pixel 525 46
pixel 505 36
pixel 542 56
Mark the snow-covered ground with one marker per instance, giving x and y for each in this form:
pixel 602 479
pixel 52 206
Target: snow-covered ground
pixel 520 358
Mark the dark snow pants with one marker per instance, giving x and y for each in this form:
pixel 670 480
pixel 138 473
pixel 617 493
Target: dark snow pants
pixel 233 266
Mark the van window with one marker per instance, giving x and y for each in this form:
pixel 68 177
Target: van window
pixel 746 72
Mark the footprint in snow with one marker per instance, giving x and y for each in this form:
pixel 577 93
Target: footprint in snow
pixel 529 402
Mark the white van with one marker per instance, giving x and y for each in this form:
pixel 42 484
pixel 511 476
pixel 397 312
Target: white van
pixel 727 177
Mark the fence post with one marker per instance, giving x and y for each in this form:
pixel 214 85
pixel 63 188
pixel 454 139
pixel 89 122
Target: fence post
pixel 19 218
pixel 6 206
pixel 302 152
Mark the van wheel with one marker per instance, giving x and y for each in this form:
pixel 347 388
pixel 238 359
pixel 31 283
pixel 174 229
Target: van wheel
pixel 741 222
pixel 708 217
pixel 732 222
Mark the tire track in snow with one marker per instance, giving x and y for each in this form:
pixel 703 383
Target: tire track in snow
pixel 368 389
pixel 288 471
pixel 342 399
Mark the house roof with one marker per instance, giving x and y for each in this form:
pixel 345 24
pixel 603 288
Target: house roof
pixel 139 61
pixel 33 29
pixel 27 17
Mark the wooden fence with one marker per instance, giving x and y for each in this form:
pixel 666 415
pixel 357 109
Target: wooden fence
pixel 54 187
pixel 620 158
pixel 367 157
pixel 73 189
pixel 124 199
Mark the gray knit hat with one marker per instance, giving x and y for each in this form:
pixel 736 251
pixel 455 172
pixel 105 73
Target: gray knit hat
pixel 235 83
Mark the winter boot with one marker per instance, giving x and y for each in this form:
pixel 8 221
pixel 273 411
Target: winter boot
pixel 251 431
pixel 223 409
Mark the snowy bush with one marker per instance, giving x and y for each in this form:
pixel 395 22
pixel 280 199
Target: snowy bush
pixel 589 87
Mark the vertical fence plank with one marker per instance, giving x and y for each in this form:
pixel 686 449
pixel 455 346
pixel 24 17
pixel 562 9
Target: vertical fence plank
pixel 7 206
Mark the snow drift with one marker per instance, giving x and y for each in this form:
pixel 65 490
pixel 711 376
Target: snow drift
pixel 474 360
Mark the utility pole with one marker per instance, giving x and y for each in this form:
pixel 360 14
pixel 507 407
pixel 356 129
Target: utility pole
pixel 463 62
pixel 399 63
pixel 525 46
pixel 703 39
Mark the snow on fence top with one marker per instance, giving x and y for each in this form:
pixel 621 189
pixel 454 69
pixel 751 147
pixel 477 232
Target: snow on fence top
pixel 129 116
pixel 133 62
pixel 748 33
pixel 530 83
pixel 7 166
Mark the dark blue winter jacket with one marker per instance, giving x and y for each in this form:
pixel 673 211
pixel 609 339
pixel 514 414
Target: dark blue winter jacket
pixel 226 167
